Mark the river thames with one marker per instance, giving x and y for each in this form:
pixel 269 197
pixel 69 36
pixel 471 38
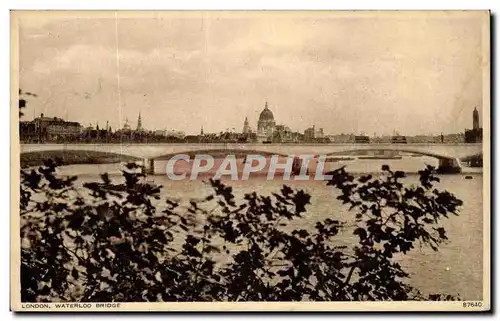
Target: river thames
pixel 455 269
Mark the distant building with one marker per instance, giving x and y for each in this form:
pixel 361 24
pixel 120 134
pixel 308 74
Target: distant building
pixel 283 134
pixel 319 133
pixel 139 134
pixel 91 134
pixel 27 131
pixel 425 139
pixel 399 139
pixel 43 129
pixel 160 132
pixel 139 123
pixel 361 139
pixel 176 134
pixel 309 134
pixel 265 125
pixel 267 131
pixel 342 138
pixel 126 126
pixel 248 138
pixel 313 134
pixel 474 135
pixel 475 119
pixel 246 127
pixel 191 138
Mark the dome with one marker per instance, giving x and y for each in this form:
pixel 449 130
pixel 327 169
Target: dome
pixel 266 115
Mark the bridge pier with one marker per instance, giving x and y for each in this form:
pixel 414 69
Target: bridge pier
pixel 149 166
pixel 449 166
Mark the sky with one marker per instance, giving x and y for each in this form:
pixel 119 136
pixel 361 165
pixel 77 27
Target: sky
pixel 345 72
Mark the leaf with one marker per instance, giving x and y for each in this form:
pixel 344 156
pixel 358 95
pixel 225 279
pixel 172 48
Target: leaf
pixel 45 290
pixel 76 221
pixel 364 179
pixel 399 174
pixel 361 232
pixel 301 233
pixel 283 272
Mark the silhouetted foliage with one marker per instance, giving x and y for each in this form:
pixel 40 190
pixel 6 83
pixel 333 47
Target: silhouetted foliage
pixel 121 242
pixel 22 101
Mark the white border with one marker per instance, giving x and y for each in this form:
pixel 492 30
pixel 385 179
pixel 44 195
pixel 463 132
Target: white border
pixel 200 4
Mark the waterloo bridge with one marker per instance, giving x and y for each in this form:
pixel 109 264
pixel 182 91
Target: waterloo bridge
pixel 449 155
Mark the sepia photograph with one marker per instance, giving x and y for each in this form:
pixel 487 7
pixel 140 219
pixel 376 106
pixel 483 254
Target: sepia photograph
pixel 250 161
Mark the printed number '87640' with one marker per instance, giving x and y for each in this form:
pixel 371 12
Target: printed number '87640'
pixel 472 304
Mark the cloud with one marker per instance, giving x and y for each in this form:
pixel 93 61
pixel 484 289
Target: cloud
pixel 343 73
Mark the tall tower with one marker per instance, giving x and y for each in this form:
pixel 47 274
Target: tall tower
pixel 201 131
pixel 475 119
pixel 246 126
pixel 139 122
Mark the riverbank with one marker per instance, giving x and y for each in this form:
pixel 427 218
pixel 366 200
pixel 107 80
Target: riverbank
pixel 71 157
pixel 473 160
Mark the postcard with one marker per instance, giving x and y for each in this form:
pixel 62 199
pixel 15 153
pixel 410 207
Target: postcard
pixel 250 161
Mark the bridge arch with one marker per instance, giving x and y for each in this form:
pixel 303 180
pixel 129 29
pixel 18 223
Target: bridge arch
pixel 395 150
pixel 447 165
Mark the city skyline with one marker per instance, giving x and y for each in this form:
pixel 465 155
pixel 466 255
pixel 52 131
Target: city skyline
pixel 211 70
pixel 246 128
pixel 260 133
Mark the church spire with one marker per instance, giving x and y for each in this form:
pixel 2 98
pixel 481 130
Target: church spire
pixel 139 122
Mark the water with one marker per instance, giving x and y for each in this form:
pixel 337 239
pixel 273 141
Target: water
pixel 455 269
pixel 408 164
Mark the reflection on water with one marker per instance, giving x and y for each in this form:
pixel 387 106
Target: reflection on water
pixel 455 269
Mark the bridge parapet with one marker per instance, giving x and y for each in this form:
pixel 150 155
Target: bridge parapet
pixel 151 151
